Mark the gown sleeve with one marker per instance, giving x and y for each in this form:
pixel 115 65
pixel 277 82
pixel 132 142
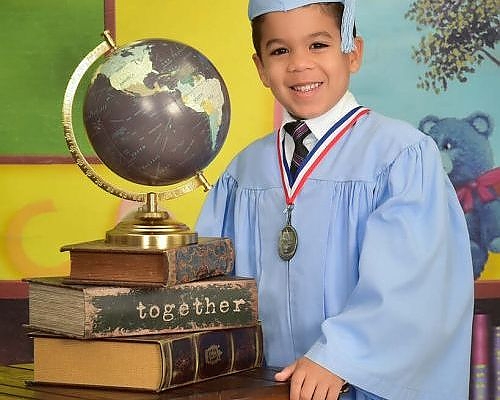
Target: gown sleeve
pixel 406 329
pixel 215 217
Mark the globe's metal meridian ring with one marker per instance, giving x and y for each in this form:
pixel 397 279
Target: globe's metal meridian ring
pixel 67 114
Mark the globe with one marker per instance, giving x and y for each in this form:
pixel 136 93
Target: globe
pixel 156 112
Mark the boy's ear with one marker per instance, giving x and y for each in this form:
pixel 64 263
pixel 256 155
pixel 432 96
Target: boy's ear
pixel 261 70
pixel 356 56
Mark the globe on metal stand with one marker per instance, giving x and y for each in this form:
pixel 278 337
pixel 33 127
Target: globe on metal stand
pixel 156 113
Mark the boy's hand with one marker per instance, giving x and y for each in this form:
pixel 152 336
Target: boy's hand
pixel 310 381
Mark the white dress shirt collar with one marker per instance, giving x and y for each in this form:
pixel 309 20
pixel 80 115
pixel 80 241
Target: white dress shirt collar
pixel 320 125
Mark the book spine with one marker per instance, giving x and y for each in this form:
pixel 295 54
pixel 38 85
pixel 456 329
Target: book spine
pixel 496 362
pixel 210 354
pixel 188 307
pixel 203 260
pixel 479 374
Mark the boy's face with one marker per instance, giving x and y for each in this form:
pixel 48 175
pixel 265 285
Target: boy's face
pixel 301 60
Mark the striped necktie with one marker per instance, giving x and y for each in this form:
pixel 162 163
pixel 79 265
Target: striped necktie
pixel 298 130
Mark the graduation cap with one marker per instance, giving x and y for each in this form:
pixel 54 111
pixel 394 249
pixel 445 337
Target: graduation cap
pixel 259 7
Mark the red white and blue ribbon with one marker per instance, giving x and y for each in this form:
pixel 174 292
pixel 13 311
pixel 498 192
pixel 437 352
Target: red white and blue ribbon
pixel 316 155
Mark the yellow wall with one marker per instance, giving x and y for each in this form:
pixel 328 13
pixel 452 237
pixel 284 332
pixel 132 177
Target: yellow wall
pixel 51 205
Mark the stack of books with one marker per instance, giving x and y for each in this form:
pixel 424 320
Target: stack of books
pixel 144 319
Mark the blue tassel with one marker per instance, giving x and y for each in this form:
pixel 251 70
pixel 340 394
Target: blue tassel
pixel 347 29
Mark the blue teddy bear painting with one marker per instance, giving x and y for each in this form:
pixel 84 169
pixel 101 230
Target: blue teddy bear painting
pixel 468 160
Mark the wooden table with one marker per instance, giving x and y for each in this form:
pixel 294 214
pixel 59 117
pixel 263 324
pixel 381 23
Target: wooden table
pixel 248 385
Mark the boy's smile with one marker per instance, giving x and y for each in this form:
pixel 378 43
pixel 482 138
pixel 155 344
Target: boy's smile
pixel 307 88
pixel 301 60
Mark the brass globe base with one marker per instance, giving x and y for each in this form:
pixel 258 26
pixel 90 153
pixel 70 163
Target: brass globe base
pixel 150 230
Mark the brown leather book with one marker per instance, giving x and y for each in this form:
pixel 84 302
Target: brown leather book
pixel 97 263
pixel 152 363
pixel 86 312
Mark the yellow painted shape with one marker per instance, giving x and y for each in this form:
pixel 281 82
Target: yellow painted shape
pixel 44 208
pixel 492 268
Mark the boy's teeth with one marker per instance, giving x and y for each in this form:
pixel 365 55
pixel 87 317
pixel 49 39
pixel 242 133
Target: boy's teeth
pixel 305 88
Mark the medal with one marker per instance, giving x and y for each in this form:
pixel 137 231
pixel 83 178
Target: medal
pixel 288 240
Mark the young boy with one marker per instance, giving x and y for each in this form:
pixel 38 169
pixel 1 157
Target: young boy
pixel 353 233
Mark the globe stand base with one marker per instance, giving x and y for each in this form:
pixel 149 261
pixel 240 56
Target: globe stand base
pixel 150 230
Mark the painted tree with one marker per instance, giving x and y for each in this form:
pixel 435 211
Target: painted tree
pixel 461 35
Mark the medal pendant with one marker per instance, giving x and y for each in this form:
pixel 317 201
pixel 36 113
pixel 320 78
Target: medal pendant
pixel 288 240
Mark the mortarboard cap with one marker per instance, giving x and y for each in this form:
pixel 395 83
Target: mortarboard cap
pixel 259 7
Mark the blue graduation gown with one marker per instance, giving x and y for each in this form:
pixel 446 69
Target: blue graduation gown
pixel 380 290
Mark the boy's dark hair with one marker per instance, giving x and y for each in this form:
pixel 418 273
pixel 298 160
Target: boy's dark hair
pixel 336 10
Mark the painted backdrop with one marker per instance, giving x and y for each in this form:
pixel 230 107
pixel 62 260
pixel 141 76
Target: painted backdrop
pixel 433 63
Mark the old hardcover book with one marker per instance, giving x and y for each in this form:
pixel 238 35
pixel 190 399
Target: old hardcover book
pixel 495 355
pixel 153 362
pixel 86 312
pixel 97 263
pixel 480 358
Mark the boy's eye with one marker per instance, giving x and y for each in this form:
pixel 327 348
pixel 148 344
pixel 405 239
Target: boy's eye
pixel 318 45
pixel 278 51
